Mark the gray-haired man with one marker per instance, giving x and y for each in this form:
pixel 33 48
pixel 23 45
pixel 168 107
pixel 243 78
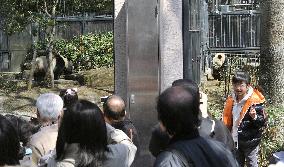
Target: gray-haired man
pixel 49 109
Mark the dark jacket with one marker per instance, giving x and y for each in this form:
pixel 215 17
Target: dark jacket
pixel 250 131
pixel 210 128
pixel 197 152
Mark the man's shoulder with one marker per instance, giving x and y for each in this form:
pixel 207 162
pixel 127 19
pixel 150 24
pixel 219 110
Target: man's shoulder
pixel 167 159
pixel 127 123
pixel 126 126
pixel 257 96
pixel 203 152
pixel 117 149
pixel 47 129
pixel 230 98
pixel 43 133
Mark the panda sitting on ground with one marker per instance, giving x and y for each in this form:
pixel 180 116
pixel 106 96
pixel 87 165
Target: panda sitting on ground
pixel 59 66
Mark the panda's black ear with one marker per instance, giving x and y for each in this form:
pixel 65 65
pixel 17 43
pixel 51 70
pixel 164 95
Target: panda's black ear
pixel 62 92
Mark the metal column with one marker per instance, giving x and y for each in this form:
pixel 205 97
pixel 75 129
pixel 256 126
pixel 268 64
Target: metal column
pixel 143 71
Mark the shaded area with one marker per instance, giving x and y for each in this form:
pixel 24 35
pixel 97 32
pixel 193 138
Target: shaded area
pixel 15 98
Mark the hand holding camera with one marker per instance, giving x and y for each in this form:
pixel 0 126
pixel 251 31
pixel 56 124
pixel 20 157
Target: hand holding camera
pixel 253 109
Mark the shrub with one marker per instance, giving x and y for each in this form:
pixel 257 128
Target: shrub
pixel 9 84
pixel 87 51
pixel 273 136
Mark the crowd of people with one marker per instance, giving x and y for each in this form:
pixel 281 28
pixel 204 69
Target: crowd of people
pixel 72 132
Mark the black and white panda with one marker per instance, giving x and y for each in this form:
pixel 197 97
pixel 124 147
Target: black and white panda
pixel 63 66
pixel 59 66
pixel 218 62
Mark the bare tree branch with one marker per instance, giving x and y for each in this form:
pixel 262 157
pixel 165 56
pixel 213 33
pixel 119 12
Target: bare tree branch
pixel 45 9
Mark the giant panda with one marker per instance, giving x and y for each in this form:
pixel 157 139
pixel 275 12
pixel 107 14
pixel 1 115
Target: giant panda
pixel 218 65
pixel 59 65
pixel 63 66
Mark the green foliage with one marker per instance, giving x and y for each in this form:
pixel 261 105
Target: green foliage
pixel 8 86
pixel 273 136
pixel 16 15
pixel 8 83
pixel 87 51
pixel 76 7
pixel 216 109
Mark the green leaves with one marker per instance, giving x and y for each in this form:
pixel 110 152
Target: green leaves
pixel 15 15
pixel 273 136
pixel 87 51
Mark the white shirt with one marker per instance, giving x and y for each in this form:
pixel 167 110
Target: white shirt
pixel 237 108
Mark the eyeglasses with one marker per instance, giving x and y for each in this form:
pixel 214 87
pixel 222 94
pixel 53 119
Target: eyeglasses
pixel 242 85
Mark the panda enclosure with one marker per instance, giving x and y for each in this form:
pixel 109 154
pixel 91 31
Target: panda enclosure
pixel 230 28
pixel 15 47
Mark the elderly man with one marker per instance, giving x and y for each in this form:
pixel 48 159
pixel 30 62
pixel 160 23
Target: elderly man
pixel 49 109
pixel 178 114
pixel 114 114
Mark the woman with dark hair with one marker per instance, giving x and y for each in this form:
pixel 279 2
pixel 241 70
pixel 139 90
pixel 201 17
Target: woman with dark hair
pixel 9 144
pixel 83 139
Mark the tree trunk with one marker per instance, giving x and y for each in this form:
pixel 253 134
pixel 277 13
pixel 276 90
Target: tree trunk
pixel 272 50
pixel 50 73
pixel 34 41
pixel 32 68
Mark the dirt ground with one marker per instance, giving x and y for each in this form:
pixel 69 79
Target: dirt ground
pixel 15 98
pixel 21 101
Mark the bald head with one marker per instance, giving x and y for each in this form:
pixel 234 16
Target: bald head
pixel 114 108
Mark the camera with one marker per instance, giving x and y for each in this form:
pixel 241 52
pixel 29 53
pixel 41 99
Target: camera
pixel 258 107
pixel 104 99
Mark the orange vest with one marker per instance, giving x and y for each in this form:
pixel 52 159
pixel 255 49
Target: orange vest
pixel 255 98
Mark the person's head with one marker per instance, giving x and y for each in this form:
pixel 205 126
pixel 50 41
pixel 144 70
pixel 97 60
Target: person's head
pixel 114 108
pixel 178 110
pixel 187 83
pixel 69 96
pixel 23 128
pixel 195 89
pixel 9 143
pixel 49 107
pixel 83 123
pixel 241 82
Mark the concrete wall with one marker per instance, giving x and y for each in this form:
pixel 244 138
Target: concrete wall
pixel 148 58
pixel 170 44
pixel 171 47
pixel 120 48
